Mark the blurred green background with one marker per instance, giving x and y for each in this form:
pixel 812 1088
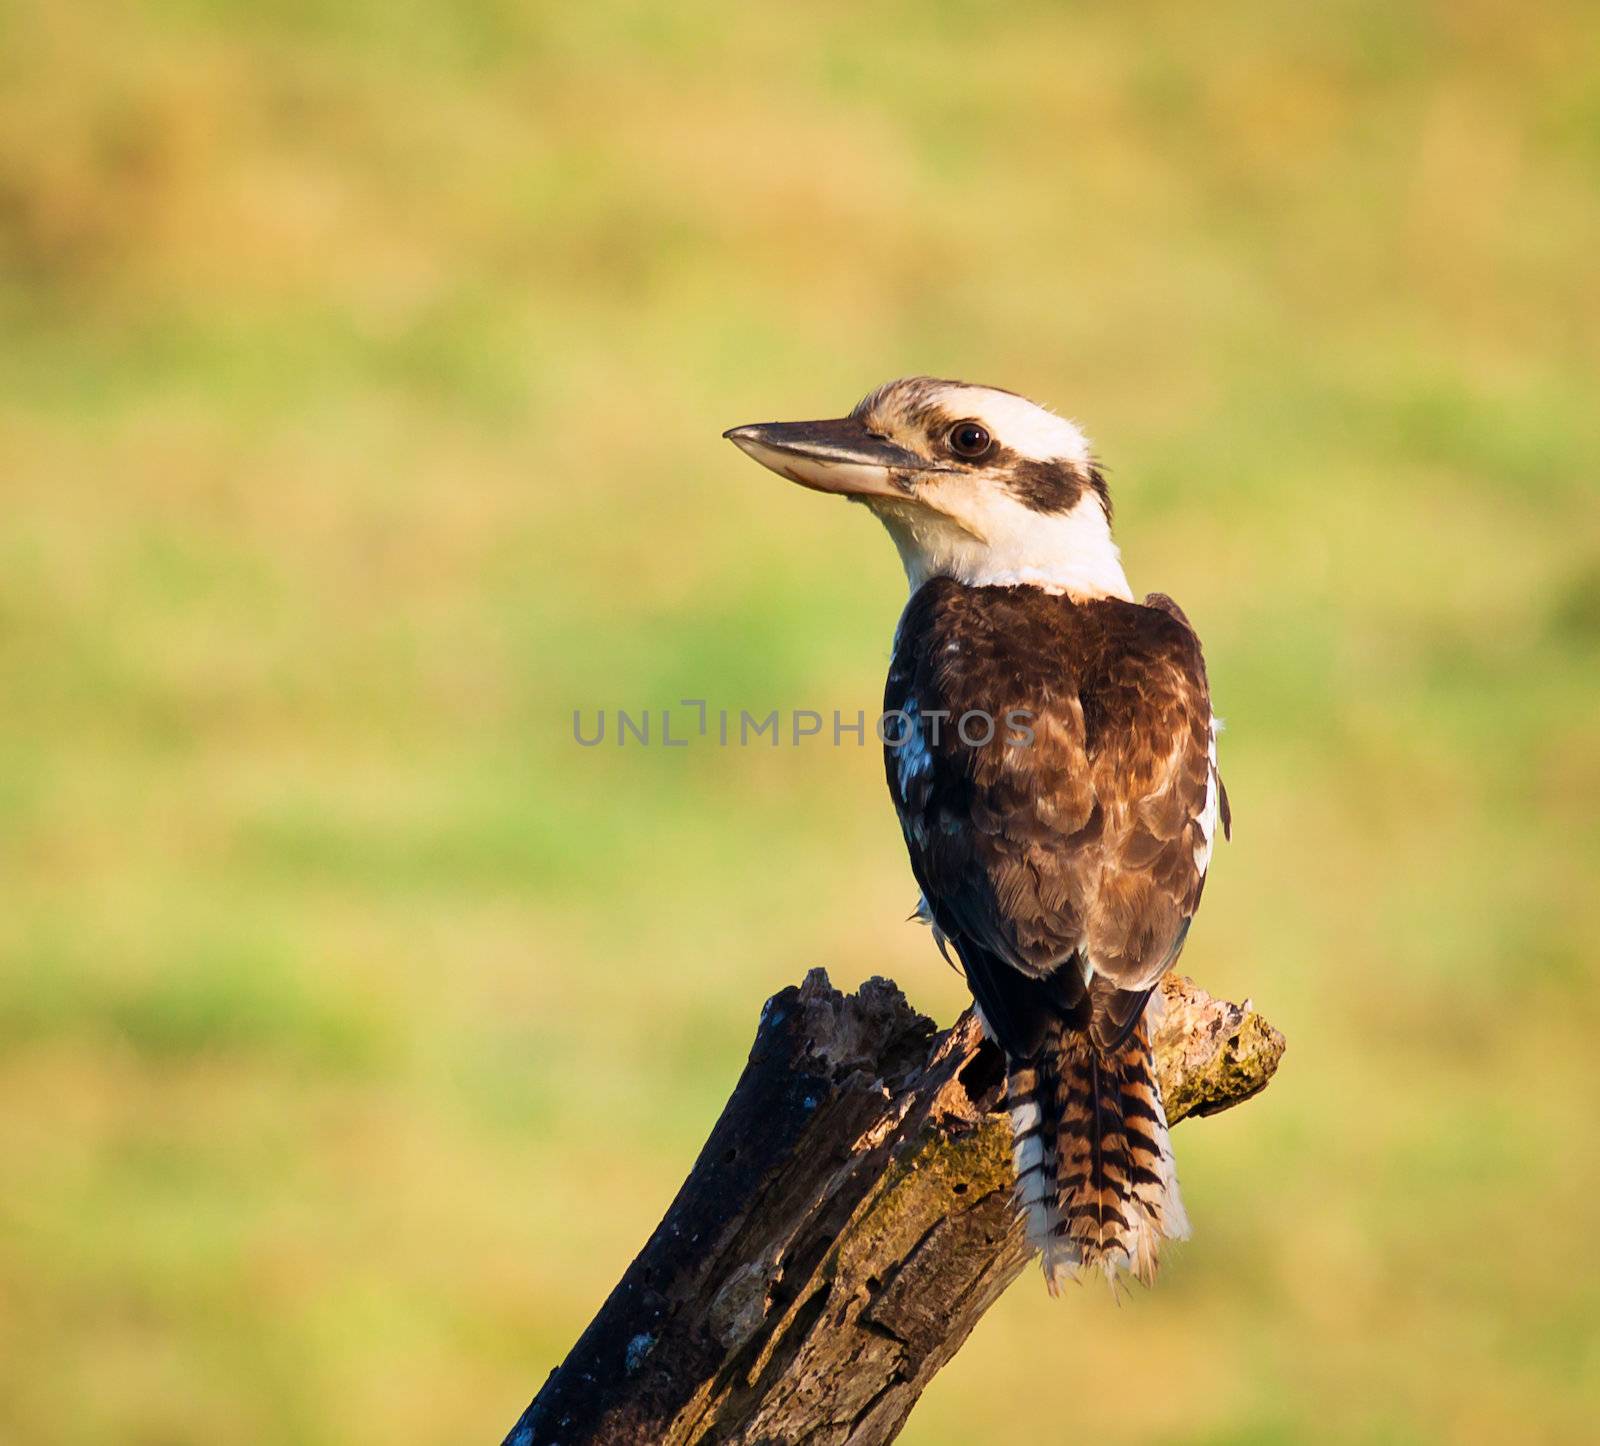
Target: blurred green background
pixel 361 373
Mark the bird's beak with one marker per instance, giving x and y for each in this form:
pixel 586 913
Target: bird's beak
pixel 839 456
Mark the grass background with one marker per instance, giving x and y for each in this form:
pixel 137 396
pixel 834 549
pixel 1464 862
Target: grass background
pixel 361 371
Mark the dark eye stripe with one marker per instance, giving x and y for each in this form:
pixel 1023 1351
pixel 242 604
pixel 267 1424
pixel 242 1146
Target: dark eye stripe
pixel 1046 486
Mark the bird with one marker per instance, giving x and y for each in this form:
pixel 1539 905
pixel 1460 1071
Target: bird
pixel 1052 758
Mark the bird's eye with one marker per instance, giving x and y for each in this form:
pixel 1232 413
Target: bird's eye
pixel 968 439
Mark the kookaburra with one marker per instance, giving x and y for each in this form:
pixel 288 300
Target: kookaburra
pixel 1062 846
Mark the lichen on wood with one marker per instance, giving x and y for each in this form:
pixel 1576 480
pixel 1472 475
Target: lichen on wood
pixel 846 1225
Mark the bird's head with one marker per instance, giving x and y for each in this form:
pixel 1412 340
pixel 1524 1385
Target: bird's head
pixel 972 483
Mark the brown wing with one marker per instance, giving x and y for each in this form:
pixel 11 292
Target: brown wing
pixel 1078 833
pixel 1151 762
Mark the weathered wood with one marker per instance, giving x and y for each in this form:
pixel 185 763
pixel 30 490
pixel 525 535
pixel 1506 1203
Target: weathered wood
pixel 845 1226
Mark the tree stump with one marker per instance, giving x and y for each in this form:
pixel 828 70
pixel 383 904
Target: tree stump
pixel 845 1226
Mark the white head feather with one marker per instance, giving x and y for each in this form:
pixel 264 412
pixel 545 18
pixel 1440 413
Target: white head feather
pixel 968 524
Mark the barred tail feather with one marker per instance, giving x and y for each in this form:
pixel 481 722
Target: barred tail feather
pixel 1032 1089
pixel 1096 1179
